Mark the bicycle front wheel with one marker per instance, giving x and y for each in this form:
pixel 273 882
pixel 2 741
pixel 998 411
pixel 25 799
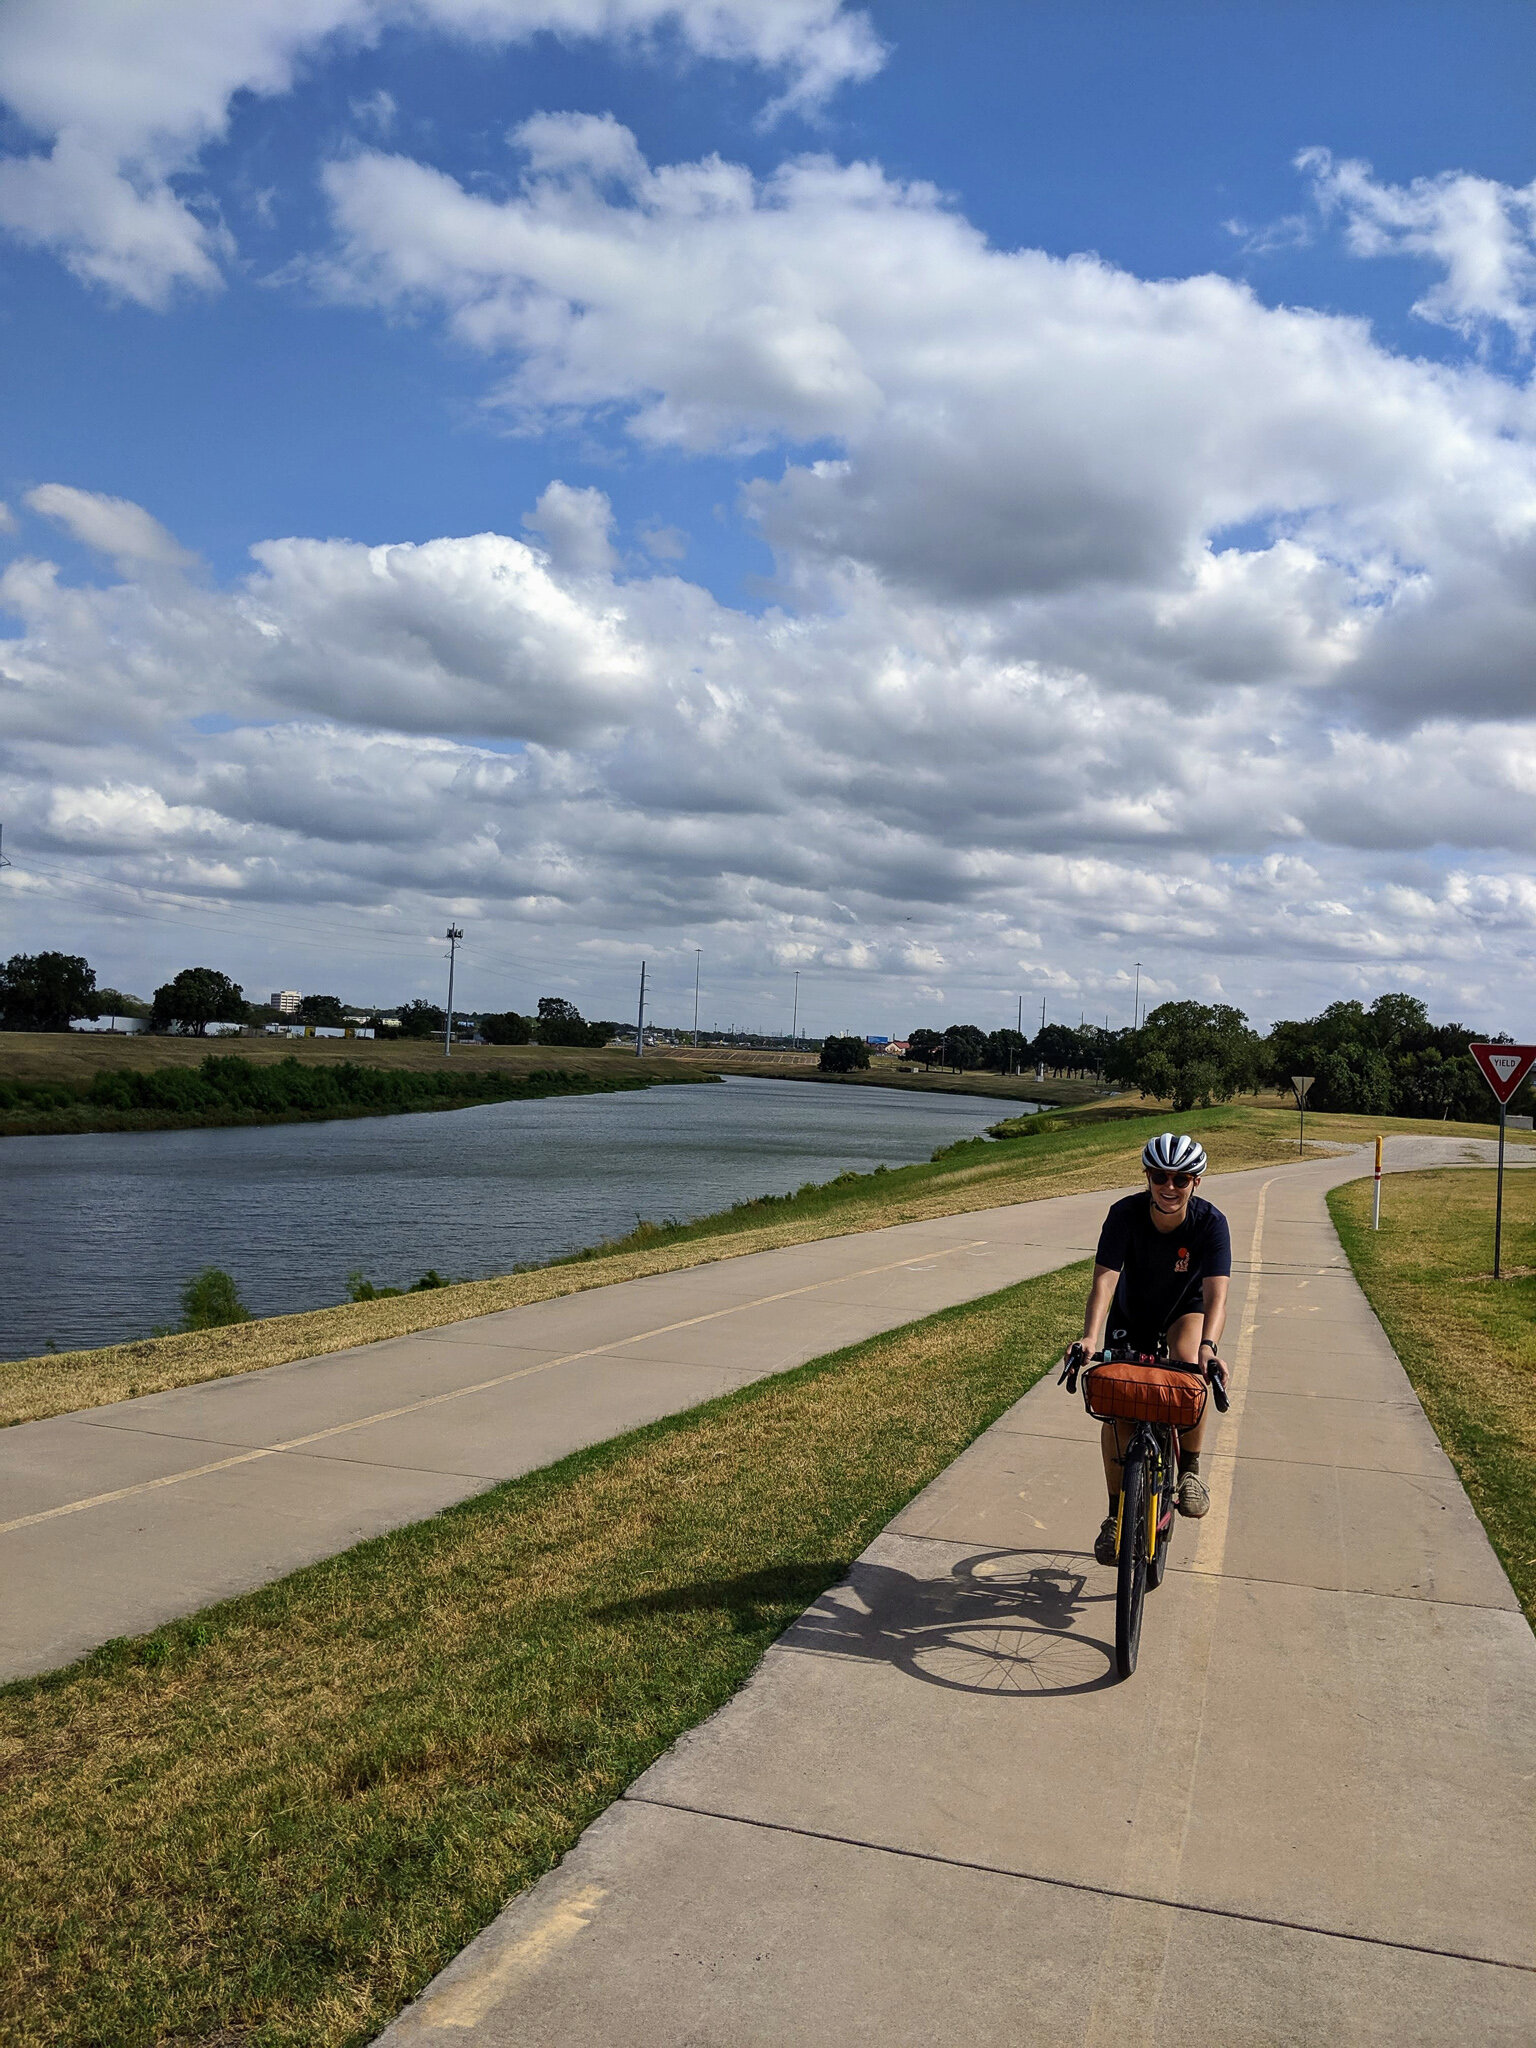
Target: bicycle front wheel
pixel 1131 1579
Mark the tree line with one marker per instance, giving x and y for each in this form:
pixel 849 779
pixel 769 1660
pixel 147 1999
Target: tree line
pixel 44 991
pixel 1384 1058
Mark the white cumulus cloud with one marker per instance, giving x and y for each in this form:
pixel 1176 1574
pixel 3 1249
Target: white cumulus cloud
pixel 1480 233
pixel 125 98
pixel 112 526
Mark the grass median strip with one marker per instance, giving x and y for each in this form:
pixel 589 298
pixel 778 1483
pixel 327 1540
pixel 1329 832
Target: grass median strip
pixel 271 1824
pixel 1467 1342
pixel 1067 1155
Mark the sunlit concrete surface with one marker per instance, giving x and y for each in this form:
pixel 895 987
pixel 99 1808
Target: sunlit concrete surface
pixel 935 1815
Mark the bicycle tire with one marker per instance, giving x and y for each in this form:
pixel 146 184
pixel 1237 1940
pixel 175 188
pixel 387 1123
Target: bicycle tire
pixel 1131 1572
pixel 1159 1560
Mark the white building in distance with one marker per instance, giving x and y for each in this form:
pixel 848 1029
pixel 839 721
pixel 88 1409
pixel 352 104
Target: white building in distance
pixel 285 1000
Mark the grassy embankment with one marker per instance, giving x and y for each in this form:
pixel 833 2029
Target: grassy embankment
pixel 272 1823
pixel 1467 1342
pixel 72 1082
pixel 1057 1155
pixel 889 1073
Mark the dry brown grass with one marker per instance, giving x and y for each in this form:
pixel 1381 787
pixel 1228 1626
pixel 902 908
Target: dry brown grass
pixel 975 1176
pixel 76 1057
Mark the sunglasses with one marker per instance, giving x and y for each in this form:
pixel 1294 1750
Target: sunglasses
pixel 1170 1180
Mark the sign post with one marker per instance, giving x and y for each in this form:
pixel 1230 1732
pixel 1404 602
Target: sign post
pixel 1376 1196
pixel 1504 1068
pixel 1302 1083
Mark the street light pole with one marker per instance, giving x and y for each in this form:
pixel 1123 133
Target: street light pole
pixel 453 936
pixel 640 1015
pixel 1136 1006
pixel 794 1029
pixel 698 954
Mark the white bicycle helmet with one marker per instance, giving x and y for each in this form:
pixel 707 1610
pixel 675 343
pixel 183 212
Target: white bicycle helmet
pixel 1174 1154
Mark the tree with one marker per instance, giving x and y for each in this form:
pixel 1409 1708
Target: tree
pixel 420 1019
pixel 198 997
pixel 1059 1048
pixel 925 1045
pixel 112 1002
pixel 321 1010
pixel 1385 1060
pixel 843 1055
pixel 505 1027
pixel 965 1045
pixel 42 991
pixel 1007 1051
pixel 561 1023
pixel 1196 1053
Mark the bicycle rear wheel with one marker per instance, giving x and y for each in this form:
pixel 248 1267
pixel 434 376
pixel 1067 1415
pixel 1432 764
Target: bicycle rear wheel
pixel 1131 1578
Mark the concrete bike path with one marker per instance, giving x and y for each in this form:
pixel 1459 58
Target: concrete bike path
pixel 115 1519
pixel 933 1815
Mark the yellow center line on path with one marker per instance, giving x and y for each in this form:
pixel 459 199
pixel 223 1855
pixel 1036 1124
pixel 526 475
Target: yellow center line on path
pixel 297 1443
pixel 1128 1992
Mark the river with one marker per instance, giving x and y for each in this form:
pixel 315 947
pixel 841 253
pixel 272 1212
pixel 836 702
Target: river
pixel 101 1231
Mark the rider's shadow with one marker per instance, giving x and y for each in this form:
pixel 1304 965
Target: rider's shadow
pixel 1003 1622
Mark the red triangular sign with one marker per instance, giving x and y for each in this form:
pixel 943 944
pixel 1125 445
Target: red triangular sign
pixel 1504 1066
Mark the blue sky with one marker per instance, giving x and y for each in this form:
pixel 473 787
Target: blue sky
pixel 802 669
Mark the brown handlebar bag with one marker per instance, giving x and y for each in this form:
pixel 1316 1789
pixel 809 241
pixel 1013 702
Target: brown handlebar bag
pixel 1144 1393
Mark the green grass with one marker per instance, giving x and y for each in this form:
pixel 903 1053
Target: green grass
pixel 1467 1342
pixel 273 1823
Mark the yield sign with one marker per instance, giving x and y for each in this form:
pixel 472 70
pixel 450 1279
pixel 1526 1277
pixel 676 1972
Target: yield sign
pixel 1504 1066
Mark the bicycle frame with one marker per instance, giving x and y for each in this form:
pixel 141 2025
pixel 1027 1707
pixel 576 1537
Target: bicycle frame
pixel 1152 1442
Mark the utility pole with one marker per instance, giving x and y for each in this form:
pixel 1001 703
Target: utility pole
pixel 453 936
pixel 698 955
pixel 640 1015
pixel 1042 1013
pixel 794 1029
pixel 4 863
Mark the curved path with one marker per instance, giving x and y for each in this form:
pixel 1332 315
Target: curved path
pixel 932 1816
pixel 115 1519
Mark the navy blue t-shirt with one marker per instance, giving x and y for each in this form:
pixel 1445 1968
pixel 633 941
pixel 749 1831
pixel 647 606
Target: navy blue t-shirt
pixel 1161 1272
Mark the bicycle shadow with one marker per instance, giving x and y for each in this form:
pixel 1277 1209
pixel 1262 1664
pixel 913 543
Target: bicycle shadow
pixel 1000 1622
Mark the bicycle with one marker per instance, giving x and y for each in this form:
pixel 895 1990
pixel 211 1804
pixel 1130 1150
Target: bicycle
pixel 1159 1398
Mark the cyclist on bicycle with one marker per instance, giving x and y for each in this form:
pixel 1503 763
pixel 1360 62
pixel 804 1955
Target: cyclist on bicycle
pixel 1161 1272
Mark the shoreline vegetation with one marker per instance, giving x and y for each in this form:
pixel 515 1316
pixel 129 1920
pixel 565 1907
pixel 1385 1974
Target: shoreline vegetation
pixel 188 1084
pixel 1067 1153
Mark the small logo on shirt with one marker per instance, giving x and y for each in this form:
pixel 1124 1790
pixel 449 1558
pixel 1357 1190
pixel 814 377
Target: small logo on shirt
pixel 1181 1263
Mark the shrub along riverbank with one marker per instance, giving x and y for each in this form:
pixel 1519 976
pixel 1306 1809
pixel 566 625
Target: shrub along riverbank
pixel 227 1088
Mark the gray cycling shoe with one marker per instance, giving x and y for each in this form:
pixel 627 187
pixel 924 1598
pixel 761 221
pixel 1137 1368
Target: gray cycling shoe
pixel 1104 1542
pixel 1194 1498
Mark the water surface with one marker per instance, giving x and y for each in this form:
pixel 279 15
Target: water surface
pixel 102 1230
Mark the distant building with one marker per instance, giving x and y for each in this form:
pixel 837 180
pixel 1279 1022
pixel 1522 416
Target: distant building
pixel 106 1023
pixel 286 1000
